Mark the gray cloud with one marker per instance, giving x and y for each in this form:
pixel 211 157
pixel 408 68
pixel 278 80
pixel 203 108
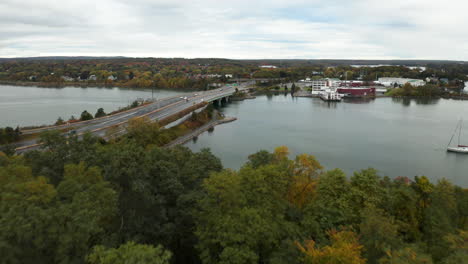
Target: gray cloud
pixel 366 29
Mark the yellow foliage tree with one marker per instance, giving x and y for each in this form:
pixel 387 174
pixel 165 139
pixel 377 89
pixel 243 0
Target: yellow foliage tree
pixel 344 249
pixel 281 153
pixel 306 170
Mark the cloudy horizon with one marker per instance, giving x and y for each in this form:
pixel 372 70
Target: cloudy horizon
pixel 317 29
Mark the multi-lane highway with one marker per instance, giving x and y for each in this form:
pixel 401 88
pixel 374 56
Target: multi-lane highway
pixel 155 111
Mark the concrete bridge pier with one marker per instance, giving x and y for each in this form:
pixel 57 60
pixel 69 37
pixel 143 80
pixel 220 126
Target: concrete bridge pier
pixel 217 102
pixel 222 101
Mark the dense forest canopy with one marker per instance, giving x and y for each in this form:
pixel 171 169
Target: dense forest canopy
pixel 129 201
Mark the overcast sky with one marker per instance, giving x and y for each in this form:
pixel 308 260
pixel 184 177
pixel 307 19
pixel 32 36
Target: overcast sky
pixel 313 29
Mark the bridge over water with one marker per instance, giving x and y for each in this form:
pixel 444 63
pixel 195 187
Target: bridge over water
pixel 156 111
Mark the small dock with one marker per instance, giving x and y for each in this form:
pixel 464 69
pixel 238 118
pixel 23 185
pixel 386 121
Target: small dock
pixel 185 138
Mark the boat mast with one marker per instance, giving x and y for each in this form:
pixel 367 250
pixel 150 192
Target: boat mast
pixel 454 132
pixel 459 132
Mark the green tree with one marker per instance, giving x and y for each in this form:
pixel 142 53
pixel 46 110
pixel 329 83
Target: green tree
pixel 406 255
pixel 366 190
pixel 440 218
pixel 59 121
pixel 129 252
pixel 458 248
pixel 25 215
pixel 331 208
pixel 85 213
pixel 261 158
pixel 9 135
pixel 242 218
pixel 407 89
pixel 44 224
pixel 86 116
pixel 8 149
pixel 61 150
pixel 100 113
pixel 144 131
pixel 403 204
pixel 159 190
pixel 378 234
pixel 134 104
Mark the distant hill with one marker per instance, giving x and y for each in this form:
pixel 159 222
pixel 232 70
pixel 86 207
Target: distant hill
pixel 61 58
pixel 277 62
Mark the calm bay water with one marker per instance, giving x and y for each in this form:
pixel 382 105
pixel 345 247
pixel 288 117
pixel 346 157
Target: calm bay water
pixel 27 106
pixel 397 137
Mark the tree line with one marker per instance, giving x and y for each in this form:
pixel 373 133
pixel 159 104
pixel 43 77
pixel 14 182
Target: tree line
pixel 199 73
pixel 129 201
pixel 428 90
pixel 9 135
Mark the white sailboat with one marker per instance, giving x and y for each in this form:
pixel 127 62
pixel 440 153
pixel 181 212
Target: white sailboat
pixel 459 148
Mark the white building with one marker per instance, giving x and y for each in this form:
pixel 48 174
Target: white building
pixel 321 84
pixel 92 77
pixel 390 81
pixel 67 78
pixel 228 75
pixel 268 66
pixel 419 68
pixel 330 95
pixel 112 78
pixel 317 84
pixel 213 76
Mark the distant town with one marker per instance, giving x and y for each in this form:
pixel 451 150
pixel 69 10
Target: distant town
pixel 352 78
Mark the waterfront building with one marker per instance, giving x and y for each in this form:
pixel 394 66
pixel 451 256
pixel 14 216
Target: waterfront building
pixel 67 78
pixel 321 84
pixel 330 95
pixel 391 81
pixel 351 83
pixel 357 92
pixel 268 66
pixel 213 76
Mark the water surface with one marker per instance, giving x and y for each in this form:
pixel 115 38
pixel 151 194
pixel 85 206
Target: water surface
pixel 30 106
pixel 398 137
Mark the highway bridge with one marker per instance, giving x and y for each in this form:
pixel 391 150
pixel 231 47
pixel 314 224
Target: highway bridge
pixel 155 111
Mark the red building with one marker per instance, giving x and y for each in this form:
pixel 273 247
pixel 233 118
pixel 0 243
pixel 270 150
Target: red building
pixel 357 91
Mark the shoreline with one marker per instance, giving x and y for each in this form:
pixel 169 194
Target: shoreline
pixel 198 131
pixel 454 97
pixel 85 84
